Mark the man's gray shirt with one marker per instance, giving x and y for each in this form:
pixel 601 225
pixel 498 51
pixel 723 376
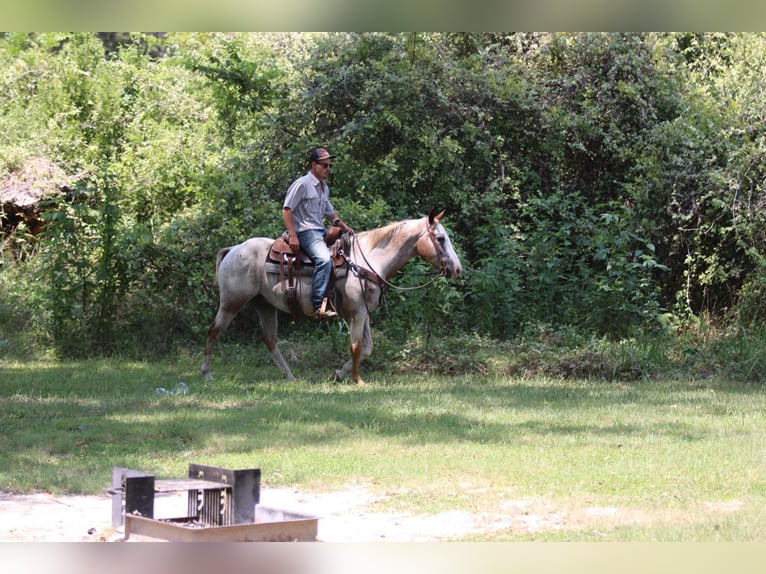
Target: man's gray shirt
pixel 309 200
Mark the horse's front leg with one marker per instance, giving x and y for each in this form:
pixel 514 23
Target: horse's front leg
pixel 361 346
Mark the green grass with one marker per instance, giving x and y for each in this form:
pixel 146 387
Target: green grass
pixel 679 459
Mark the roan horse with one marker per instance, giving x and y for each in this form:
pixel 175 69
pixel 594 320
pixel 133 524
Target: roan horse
pixel 372 259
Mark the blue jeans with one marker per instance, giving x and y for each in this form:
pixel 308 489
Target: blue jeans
pixel 312 242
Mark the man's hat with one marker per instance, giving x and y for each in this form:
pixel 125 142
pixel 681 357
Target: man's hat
pixel 318 154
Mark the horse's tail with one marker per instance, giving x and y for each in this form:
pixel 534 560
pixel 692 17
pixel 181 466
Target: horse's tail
pixel 221 254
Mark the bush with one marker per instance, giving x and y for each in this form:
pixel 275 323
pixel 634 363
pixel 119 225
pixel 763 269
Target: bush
pixel 593 181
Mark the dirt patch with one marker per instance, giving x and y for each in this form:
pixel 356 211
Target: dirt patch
pixel 344 516
pixel 42 517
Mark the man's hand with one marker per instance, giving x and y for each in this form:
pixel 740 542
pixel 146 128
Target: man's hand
pixel 294 244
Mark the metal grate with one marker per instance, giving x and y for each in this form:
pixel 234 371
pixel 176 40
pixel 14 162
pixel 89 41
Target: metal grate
pixel 216 496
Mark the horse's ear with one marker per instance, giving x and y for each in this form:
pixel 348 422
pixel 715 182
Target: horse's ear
pixel 433 218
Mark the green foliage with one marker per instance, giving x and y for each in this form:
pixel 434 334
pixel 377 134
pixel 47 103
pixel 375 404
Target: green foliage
pixel 496 296
pixel 22 335
pixel 751 309
pixel 698 177
pixel 82 271
pixel 598 181
pixel 242 85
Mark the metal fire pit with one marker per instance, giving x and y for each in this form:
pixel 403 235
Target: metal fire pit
pixel 271 525
pixel 222 506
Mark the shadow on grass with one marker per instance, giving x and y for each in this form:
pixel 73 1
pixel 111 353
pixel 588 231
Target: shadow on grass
pixel 106 413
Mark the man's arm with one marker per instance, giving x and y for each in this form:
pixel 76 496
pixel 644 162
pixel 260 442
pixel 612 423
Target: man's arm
pixel 287 215
pixel 340 223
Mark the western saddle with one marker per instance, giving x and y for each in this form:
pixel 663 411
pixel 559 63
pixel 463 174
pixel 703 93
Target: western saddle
pixel 289 266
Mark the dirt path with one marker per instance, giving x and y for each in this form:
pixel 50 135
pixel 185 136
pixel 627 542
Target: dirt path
pixel 350 515
pixel 344 516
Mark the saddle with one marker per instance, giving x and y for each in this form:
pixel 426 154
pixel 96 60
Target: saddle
pixel 282 260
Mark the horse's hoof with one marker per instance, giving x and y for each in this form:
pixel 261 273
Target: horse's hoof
pixel 337 377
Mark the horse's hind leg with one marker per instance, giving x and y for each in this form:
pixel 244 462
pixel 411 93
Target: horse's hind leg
pixel 222 319
pixel 268 316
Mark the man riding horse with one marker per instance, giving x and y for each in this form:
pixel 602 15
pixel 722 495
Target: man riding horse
pixel 245 273
pixel 306 205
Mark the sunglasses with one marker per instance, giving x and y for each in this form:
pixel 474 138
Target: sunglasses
pixel 326 165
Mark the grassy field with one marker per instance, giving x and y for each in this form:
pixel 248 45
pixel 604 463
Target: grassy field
pixel 649 460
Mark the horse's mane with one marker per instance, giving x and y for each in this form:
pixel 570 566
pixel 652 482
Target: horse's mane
pixel 382 236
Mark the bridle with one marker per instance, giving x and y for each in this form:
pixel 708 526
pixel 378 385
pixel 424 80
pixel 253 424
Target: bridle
pixel 382 281
pixel 430 229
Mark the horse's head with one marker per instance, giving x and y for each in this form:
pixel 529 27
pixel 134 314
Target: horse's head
pixel 435 247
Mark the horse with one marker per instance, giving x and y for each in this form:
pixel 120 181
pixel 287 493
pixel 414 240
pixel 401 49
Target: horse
pixel 372 258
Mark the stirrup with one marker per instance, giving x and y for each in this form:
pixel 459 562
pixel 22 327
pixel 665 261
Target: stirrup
pixel 324 312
